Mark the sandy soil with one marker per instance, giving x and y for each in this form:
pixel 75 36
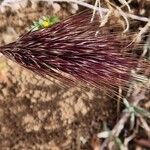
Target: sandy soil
pixel 40 114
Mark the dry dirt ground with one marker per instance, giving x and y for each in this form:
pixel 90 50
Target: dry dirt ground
pixel 40 114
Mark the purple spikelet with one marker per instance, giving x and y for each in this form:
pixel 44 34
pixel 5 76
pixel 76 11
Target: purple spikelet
pixel 69 51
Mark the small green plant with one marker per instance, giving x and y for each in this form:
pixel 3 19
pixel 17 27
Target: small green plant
pixel 44 22
pixel 135 112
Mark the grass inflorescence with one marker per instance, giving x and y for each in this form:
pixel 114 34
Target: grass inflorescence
pixel 71 51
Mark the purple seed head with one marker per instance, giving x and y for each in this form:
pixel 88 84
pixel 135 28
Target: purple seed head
pixel 70 51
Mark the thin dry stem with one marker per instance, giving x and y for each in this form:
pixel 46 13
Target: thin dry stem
pixel 130 138
pixel 105 10
pixel 143 30
pixel 145 126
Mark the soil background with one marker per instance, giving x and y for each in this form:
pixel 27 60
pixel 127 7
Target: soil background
pixel 36 113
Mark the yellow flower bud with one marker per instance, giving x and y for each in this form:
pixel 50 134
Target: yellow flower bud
pixel 45 24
